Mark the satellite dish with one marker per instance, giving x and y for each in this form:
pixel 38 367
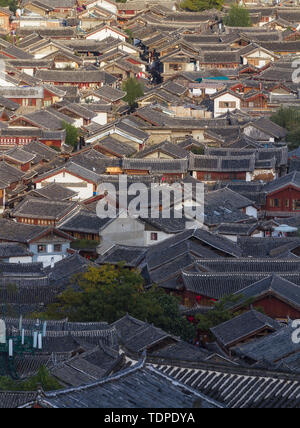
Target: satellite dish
pixel 2 332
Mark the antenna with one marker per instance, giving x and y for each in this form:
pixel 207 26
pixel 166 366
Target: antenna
pixel 35 339
pixel 20 323
pixel 44 328
pixel 12 345
pixel 40 341
pixel 2 332
pixel 10 348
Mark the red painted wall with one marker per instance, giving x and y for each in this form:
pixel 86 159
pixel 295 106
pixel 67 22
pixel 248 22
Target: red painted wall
pixel 288 194
pixel 275 308
pixel 31 101
pixel 218 176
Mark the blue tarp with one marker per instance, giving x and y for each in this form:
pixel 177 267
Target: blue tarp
pixel 212 78
pixel 218 78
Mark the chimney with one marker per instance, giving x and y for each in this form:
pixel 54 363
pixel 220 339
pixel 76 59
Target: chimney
pixel 2 332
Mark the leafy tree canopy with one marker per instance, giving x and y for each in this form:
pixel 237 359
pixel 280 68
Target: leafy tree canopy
pixel 289 118
pixel 72 134
pixel 12 4
pixel 134 90
pixel 109 292
pixel 221 313
pixel 201 5
pixel 238 17
pixel 42 378
pixel 130 35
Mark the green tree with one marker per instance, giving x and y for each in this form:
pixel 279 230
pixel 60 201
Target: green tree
pixel 293 138
pixel 201 5
pixel 198 150
pixel 130 35
pixel 289 118
pixel 221 312
pixel 238 17
pixel 12 4
pixel 109 292
pixel 72 134
pixel 134 90
pixel 42 378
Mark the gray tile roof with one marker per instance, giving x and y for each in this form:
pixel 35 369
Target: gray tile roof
pixel 166 147
pixel 220 57
pixel 13 250
pixel 82 221
pixel 136 387
pixel 64 270
pixel 175 88
pixel 214 217
pixel 9 174
pixel 15 92
pixel 55 191
pixel 110 94
pixel 51 33
pixel 13 400
pixel 160 254
pixel 78 76
pixel 82 369
pixel 181 351
pixel 247 265
pixel 170 224
pixel 241 229
pixel 157 166
pixel 166 260
pixel 132 256
pixel 266 125
pixel 116 147
pixel 80 110
pixel 226 198
pixel 249 189
pixel 242 327
pixel 40 208
pixel 261 154
pixel 19 155
pixel 238 387
pixel 222 163
pixel 81 168
pixel 271 349
pixel 262 247
pixel 217 285
pixel 167 276
pixel 41 150
pixel 208 239
pixel 276 74
pixel 146 338
pixel 18 232
pixel 292 179
pixel 275 285
pixel 51 119
pixel 128 127
pixel 14 52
